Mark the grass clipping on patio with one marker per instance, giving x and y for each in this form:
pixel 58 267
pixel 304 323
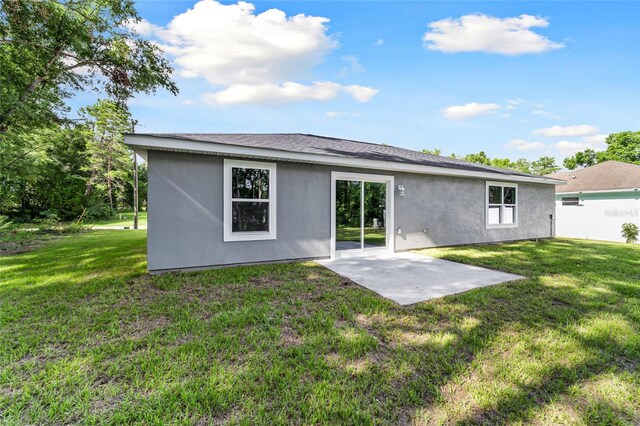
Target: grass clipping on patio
pixel 86 336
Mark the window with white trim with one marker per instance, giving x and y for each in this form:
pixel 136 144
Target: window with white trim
pixel 502 207
pixel 249 200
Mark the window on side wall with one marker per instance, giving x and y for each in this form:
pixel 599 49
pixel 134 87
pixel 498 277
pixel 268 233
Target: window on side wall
pixel 249 200
pixel 502 205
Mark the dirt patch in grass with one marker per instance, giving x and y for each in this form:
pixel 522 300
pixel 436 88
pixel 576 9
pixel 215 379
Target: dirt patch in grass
pixel 48 353
pixel 143 326
pixel 8 248
pixel 106 403
pixel 346 281
pixel 264 282
pixel 289 337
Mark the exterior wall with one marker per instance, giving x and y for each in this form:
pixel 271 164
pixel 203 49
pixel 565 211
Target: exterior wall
pixel 185 225
pixel 453 211
pixel 599 216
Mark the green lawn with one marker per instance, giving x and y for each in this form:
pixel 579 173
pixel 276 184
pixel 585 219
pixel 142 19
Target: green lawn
pixel 122 219
pixel 86 336
pixel 376 237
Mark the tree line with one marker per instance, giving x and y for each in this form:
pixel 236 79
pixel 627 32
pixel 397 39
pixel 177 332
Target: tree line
pixel 622 146
pixel 71 171
pixel 541 166
pixel 53 164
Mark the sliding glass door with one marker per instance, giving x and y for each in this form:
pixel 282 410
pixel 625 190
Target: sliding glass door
pixel 348 214
pixel 360 214
pixel 375 211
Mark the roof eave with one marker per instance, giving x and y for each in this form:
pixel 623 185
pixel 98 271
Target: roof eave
pixel 595 191
pixel 142 143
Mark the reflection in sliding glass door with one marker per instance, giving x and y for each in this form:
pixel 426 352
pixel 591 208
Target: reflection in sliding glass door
pixel 375 196
pixel 360 214
pixel 348 214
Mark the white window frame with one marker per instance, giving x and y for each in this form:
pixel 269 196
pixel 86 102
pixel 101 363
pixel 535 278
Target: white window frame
pixel 390 209
pixel 228 199
pixel 502 205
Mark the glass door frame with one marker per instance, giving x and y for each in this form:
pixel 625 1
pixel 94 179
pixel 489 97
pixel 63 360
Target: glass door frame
pixel 389 194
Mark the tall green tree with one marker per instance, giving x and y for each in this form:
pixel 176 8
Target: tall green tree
pixel 622 146
pixel 521 165
pixel 109 160
pixel 51 49
pixel 71 169
pixel 544 166
pixel 480 158
pixel 584 158
pixel 50 178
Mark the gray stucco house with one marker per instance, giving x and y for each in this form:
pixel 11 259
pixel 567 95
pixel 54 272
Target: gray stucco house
pixel 225 199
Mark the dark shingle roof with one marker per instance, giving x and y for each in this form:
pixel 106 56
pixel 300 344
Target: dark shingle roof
pixel 323 145
pixel 600 177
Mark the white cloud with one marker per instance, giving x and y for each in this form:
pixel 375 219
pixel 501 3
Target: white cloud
pixel 595 142
pixel 378 42
pixel 506 115
pixel 598 140
pixel 360 93
pixel 229 44
pixel 83 70
pixel 354 65
pixel 571 147
pixel 567 131
pixel 333 114
pixel 563 148
pixel 482 33
pixel 546 114
pixel 270 93
pixel 142 27
pixel 273 93
pixel 251 58
pixel 522 145
pixel 468 110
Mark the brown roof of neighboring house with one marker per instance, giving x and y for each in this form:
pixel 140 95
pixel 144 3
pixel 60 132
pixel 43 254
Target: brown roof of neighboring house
pixel 600 177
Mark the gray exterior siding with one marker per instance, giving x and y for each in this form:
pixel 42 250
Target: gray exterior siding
pixel 185 214
pixel 453 211
pixel 185 219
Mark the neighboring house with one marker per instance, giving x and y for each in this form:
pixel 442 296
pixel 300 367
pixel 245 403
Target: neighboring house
pixel 223 199
pixel 597 200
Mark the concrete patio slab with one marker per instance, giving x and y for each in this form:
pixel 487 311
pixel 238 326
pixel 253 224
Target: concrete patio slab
pixel 408 278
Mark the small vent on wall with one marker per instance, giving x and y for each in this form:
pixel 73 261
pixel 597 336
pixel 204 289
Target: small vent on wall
pixel 570 201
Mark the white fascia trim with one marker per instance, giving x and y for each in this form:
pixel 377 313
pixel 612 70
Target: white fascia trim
pixel 599 191
pixel 185 145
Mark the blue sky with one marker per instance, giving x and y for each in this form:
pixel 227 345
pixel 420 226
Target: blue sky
pixel 513 79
